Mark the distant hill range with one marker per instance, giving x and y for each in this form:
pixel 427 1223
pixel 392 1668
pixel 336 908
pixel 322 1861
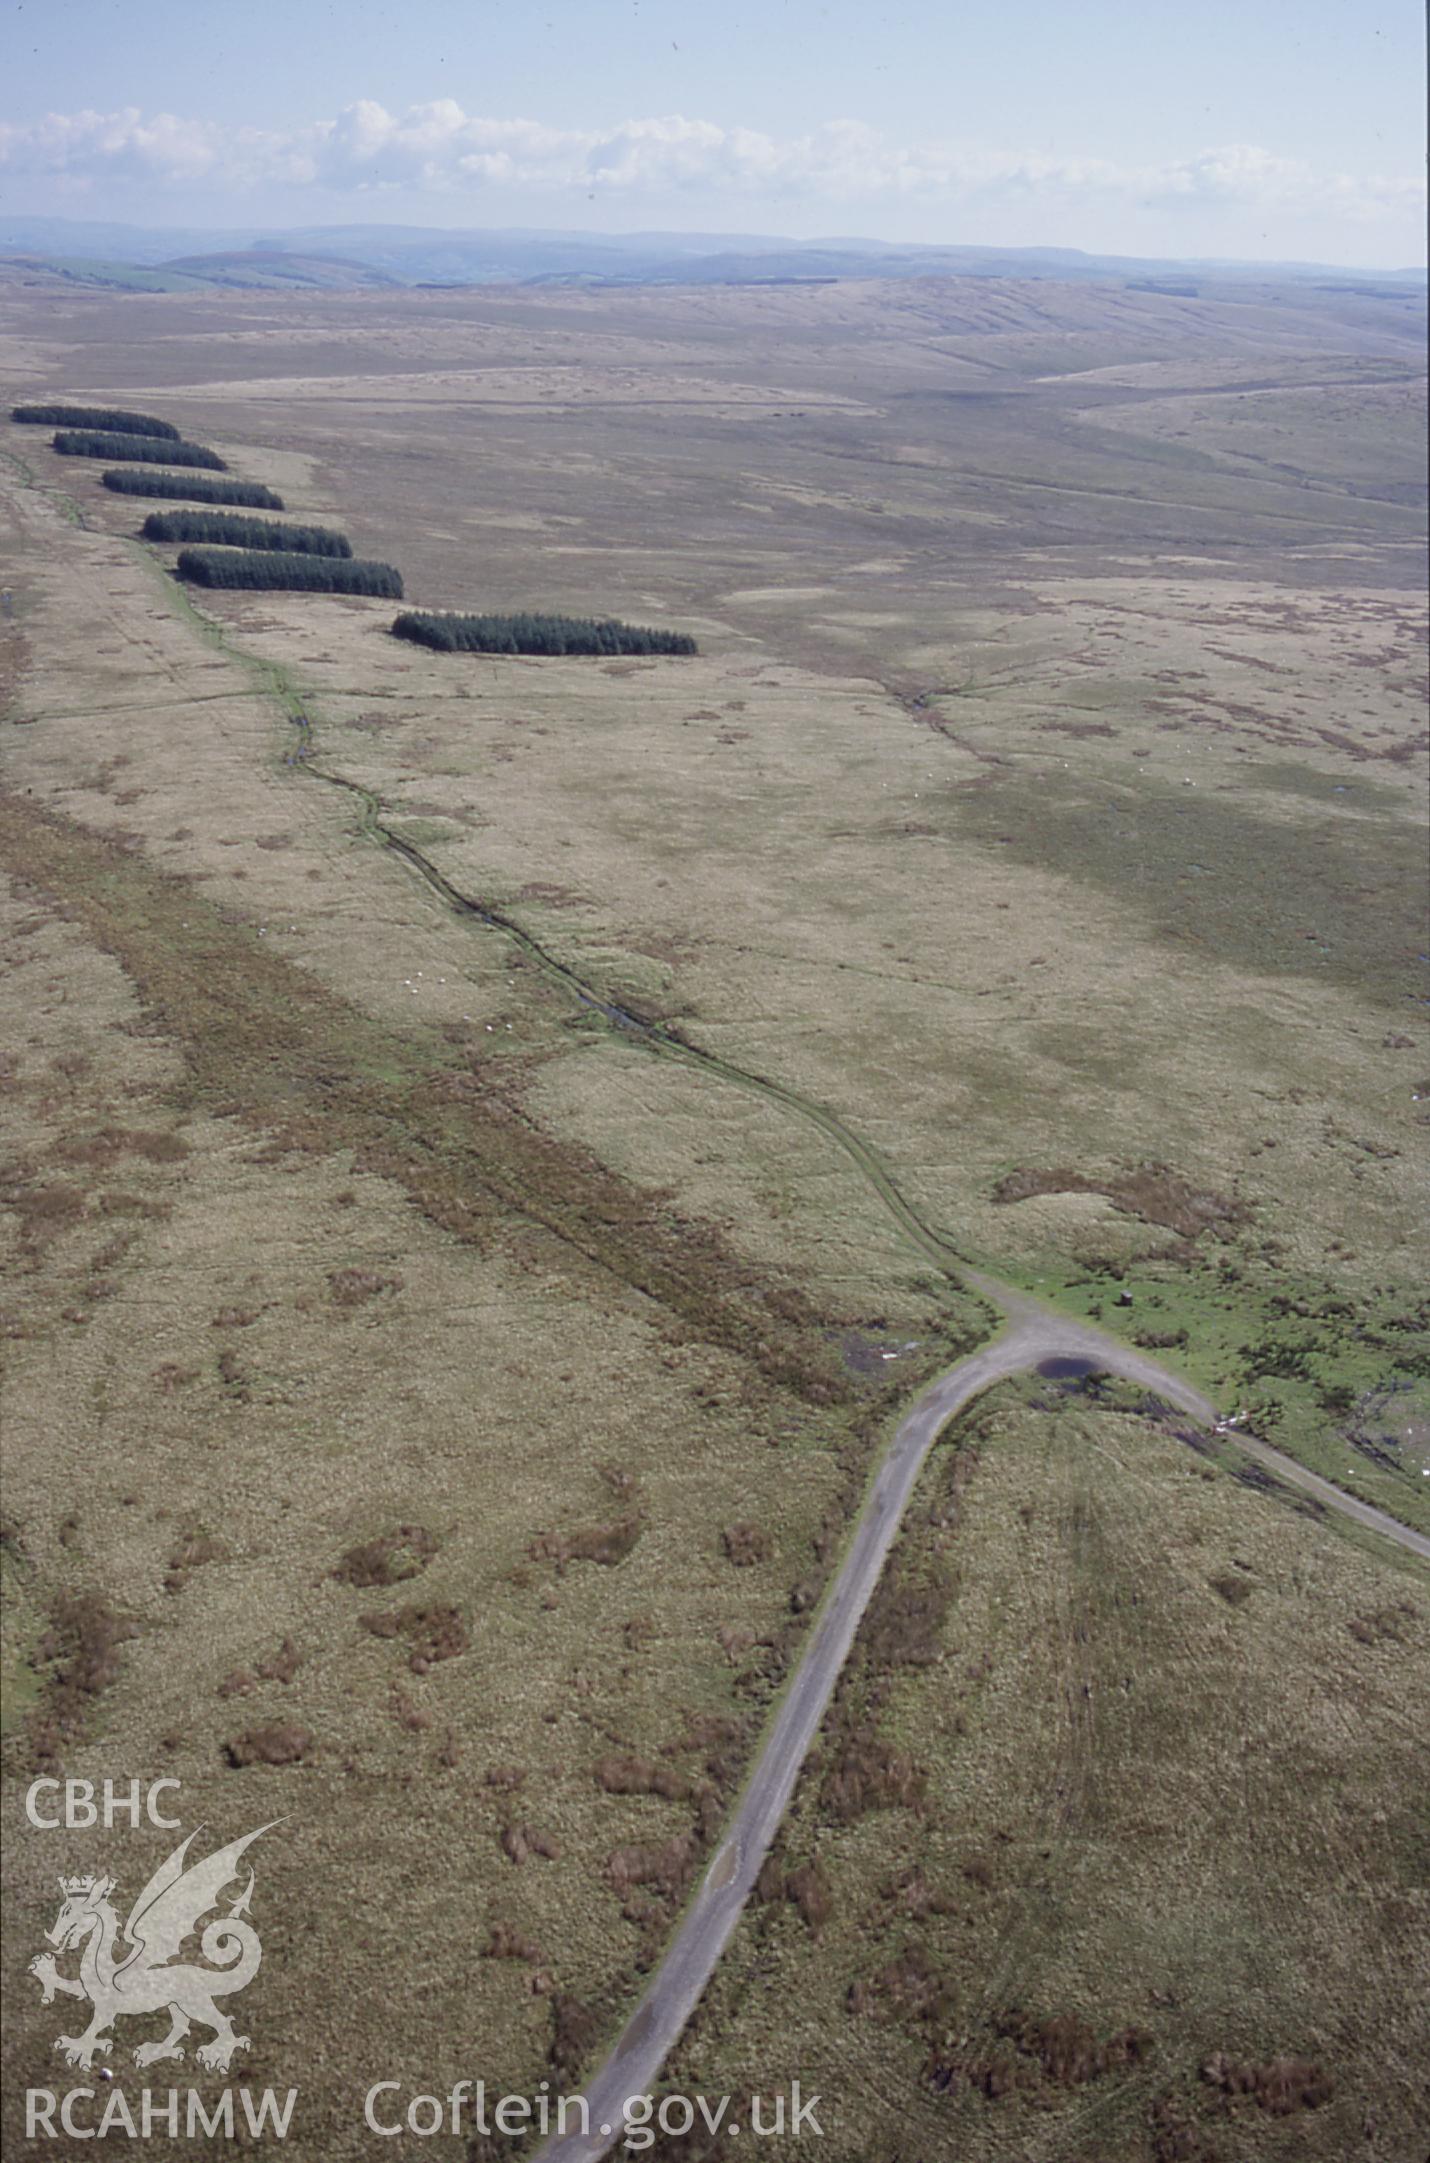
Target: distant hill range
pixel 254 269
pixel 64 252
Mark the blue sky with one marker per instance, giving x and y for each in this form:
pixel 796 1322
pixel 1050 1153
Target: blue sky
pixel 1265 129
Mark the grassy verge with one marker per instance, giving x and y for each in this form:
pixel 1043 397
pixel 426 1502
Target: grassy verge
pixel 1336 1378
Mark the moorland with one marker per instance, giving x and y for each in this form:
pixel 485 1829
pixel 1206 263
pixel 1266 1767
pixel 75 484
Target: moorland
pixel 434 1409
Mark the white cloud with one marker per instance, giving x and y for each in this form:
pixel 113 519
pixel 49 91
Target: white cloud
pixel 1240 174
pixel 439 148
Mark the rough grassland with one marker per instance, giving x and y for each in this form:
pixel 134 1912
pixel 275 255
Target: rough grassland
pixel 1042 801
pixel 1166 1751
pixel 238 1356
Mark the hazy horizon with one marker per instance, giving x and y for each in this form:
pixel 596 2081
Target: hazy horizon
pixel 1294 135
pixel 695 241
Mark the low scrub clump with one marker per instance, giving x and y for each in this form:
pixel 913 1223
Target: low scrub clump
pixel 294 572
pixel 520 1842
pixel 606 1544
pixel 622 1774
pixel 435 1633
pixel 869 1775
pixel 525 633
pixel 1068 2052
pixel 1280 2085
pixel 808 1889
pixel 284 1743
pixel 910 1987
pixel 906 1622
pixel 233 532
pixel 745 1544
pixel 193 1549
pixel 145 450
pixel 662 1865
pixel 1153 1192
pixel 197 488
pixel 280 1666
pixel 103 1146
pixel 111 420
pixel 1383 1626
pixel 390 1559
pixel 81 1651
pixel 575 2032
pixel 354 1287
pixel 508 1943
pixel 1035 2057
pixel 43 1210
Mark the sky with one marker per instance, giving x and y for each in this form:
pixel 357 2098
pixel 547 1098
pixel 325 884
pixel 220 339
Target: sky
pixel 1265 129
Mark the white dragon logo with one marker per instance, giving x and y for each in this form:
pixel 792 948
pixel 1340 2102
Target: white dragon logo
pixel 148 1978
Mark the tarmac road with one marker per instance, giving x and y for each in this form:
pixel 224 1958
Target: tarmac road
pixel 1033 1335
